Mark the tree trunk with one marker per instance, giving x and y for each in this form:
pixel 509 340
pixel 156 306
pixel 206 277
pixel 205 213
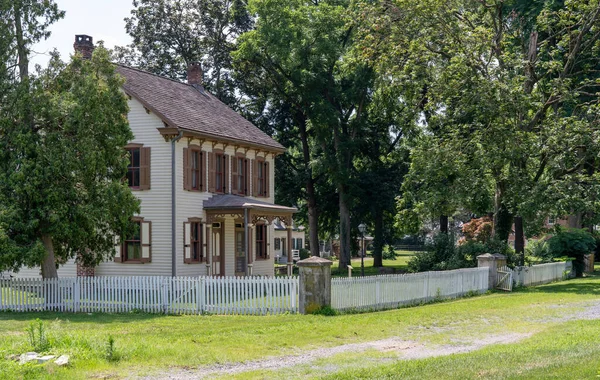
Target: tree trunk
pixel 503 219
pixel 575 220
pixel 49 263
pixel 21 48
pixel 444 224
pixel 378 243
pixel 519 240
pixel 345 237
pixel 313 215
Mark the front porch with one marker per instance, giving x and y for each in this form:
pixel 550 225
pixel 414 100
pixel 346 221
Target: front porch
pixel 240 235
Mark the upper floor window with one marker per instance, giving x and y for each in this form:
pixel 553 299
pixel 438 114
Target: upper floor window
pixel 218 178
pixel 133 168
pixel 138 168
pixel 261 178
pixel 197 170
pixel 239 175
pixel 220 173
pixel 194 169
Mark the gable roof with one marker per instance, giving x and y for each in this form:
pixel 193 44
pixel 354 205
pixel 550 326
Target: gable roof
pixel 192 109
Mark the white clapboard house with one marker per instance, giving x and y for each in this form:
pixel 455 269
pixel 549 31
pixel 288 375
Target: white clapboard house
pixel 205 178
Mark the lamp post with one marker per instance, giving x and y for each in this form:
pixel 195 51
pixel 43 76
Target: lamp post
pixel 362 228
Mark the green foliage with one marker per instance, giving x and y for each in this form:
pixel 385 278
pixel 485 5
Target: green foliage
pixel 573 243
pixel 169 34
pixel 304 253
pixel 62 165
pixel 389 253
pixel 38 339
pixel 327 311
pixel 539 249
pixel 110 352
pixel 441 253
pixel 444 254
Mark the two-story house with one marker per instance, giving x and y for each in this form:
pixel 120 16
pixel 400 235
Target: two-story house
pixel 205 178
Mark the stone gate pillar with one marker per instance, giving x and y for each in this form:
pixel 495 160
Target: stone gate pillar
pixel 315 284
pixel 493 262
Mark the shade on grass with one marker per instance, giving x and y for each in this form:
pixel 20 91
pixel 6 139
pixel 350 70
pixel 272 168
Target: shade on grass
pixel 154 343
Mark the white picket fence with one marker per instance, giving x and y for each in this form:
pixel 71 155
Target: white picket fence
pixel 541 273
pixel 391 291
pixel 169 295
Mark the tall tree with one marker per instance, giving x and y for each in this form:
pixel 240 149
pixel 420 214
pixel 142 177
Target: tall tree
pixel 301 49
pixel 61 159
pixel 517 81
pixel 170 34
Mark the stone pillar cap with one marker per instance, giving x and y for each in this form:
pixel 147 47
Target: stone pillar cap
pixel 491 255
pixel 314 261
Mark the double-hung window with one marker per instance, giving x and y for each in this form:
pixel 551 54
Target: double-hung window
pixel 133 168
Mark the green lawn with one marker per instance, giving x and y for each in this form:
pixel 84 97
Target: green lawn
pixel 154 344
pixel 400 265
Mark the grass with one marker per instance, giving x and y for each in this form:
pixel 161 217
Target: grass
pixel 148 344
pixel 400 265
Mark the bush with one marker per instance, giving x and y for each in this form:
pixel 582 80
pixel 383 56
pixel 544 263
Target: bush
pixel 304 253
pixel 539 249
pixel 573 243
pixel 389 253
pixel 441 253
pixel 444 254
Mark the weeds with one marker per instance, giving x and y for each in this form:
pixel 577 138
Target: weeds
pixel 110 352
pixel 38 339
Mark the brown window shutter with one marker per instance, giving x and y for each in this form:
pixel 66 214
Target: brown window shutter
pixel 226 173
pixel 187 169
pixel 250 231
pixel 146 237
pixel 234 175
pixel 187 249
pixel 254 164
pixel 267 179
pixel 118 250
pixel 246 177
pixel 145 168
pixel 203 172
pixel 207 243
pixel 212 178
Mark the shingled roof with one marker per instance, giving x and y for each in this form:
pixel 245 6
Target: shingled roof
pixel 192 109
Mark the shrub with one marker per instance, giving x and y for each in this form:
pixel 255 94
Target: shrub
pixel 304 253
pixel 38 338
pixel 478 229
pixel 444 254
pixel 389 253
pixel 539 249
pixel 573 243
pixel 110 352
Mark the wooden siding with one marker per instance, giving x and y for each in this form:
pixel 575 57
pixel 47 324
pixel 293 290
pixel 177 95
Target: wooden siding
pixel 156 202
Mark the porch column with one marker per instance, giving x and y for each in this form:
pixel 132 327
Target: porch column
pixel 207 247
pixel 290 260
pixel 250 256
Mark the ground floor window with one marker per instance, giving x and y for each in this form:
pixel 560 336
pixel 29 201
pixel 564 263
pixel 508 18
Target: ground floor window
pixel 133 245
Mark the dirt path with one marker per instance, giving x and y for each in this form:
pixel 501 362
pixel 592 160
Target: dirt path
pixel 405 349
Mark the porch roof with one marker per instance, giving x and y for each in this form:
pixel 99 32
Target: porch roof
pixel 229 201
pixel 223 204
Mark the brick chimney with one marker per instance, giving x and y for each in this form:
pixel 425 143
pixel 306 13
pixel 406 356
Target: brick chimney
pixel 194 74
pixel 84 45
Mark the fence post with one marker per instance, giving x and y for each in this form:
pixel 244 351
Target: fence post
pixel 165 294
pixel 315 284
pixel 492 262
pixel 76 295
